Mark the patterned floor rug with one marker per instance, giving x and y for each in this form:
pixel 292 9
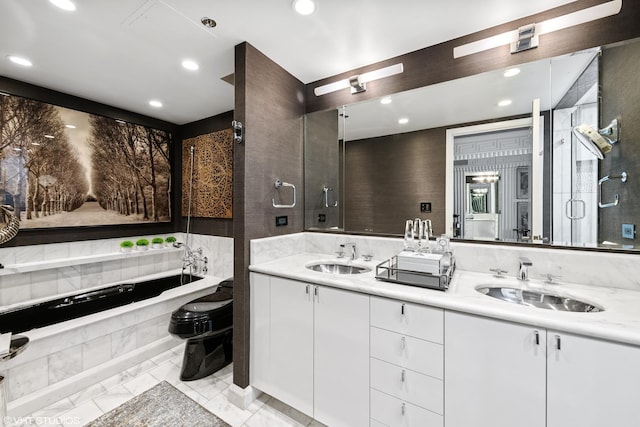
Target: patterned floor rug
pixel 160 406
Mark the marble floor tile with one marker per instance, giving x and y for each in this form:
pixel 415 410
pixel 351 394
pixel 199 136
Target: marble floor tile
pixel 56 408
pixel 227 411
pixel 183 387
pixel 87 394
pixel 162 357
pixel 268 416
pixel 81 415
pixel 209 387
pixel 112 398
pixel 280 408
pixel 141 368
pixel 166 371
pixel 141 384
pixel 225 374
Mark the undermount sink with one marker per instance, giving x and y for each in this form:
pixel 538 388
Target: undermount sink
pixel 539 299
pixel 337 268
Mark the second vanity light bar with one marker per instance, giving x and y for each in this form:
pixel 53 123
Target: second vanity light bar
pixel 583 16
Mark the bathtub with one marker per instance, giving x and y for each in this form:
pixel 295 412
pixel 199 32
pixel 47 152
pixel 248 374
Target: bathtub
pixel 74 354
pixel 58 310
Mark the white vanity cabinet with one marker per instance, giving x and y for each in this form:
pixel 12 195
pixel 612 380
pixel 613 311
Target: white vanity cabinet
pixel 310 348
pixel 406 364
pixel 494 371
pixel 591 382
pixel 505 374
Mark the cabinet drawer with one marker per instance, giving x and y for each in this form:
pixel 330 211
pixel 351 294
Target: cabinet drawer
pixel 407 385
pixel 416 320
pixel 391 411
pixel 418 355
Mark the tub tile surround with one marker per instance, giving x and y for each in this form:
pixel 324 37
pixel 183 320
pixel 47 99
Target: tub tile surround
pixel 65 358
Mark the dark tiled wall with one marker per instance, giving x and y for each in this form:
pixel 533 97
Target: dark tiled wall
pixel 321 164
pixel 387 177
pixel 270 103
pixel 621 98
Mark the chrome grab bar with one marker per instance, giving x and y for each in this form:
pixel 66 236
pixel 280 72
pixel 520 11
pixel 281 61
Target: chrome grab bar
pixel 279 184
pixel 326 190
pixel 569 205
pixel 622 177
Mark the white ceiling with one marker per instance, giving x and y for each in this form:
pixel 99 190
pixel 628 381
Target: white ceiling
pixel 124 53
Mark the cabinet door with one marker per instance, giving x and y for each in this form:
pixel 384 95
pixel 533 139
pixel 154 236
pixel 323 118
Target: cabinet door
pixel 260 331
pixel 341 364
pixel 494 373
pixel 291 346
pixel 591 382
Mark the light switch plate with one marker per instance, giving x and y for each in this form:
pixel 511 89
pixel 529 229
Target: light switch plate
pixel 629 231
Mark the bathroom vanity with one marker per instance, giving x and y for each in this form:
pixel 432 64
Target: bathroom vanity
pixel 350 350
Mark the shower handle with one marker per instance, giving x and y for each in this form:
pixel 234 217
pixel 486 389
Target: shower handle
pixel 569 208
pixel 326 190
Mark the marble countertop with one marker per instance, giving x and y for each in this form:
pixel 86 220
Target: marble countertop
pixel 620 320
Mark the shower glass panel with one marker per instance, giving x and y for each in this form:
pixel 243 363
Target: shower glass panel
pixel 575 169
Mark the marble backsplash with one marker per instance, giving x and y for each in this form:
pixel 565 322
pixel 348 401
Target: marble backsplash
pixel 603 269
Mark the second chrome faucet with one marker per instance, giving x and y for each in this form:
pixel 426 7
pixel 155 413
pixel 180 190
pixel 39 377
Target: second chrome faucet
pixel 523 272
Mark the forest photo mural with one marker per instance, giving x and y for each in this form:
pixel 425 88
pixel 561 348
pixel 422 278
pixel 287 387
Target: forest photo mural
pixel 61 167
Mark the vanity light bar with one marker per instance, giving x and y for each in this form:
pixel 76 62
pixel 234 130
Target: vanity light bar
pixel 361 80
pixel 554 24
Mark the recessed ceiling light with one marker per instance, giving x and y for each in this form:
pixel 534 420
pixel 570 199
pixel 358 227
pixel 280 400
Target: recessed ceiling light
pixel 49 136
pixel 504 103
pixel 70 126
pixel 155 103
pixel 304 7
pixel 208 22
pixel 512 72
pixel 20 60
pixel 403 121
pixel 64 4
pixel 190 65
pixel 385 100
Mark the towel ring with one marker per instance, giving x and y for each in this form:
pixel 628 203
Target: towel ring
pixel 622 177
pixel 279 184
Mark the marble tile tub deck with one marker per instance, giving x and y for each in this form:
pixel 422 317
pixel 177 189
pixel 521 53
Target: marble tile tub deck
pixel 211 392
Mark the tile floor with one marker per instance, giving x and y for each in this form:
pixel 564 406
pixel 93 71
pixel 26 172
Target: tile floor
pixel 210 392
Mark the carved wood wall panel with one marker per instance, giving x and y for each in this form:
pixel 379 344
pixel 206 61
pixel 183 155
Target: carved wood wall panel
pixel 212 193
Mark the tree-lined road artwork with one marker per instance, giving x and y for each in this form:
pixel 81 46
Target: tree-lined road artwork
pixel 61 167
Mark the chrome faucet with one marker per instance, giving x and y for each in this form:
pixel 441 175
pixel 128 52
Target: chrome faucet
pixel 523 273
pixel 354 253
pixel 194 259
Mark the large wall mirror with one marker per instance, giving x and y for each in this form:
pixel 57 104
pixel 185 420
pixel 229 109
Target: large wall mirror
pixel 544 152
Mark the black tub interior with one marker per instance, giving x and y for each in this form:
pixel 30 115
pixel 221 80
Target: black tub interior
pixel 71 307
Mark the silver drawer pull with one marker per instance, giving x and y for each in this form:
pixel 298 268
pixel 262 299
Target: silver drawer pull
pixel 537 335
pixel 403 408
pixel 558 345
pixel 403 375
pixel 403 343
pixel 402 309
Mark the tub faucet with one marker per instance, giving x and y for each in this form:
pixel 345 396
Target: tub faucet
pixel 354 253
pixel 523 273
